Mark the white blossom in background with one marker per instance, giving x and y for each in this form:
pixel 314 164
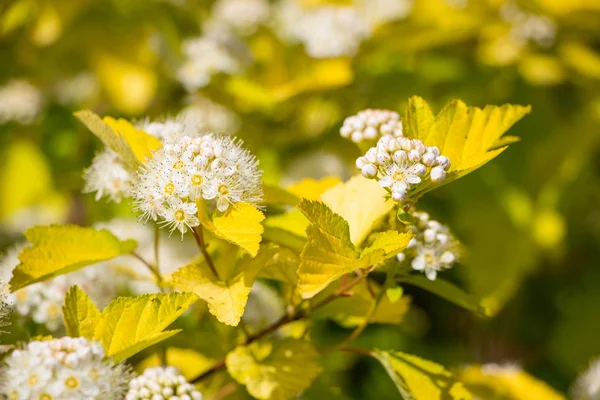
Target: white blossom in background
pixel 401 164
pixel 78 89
pixel 587 386
pixel 20 101
pixel 264 307
pixel 129 271
pixel 4 306
pixel 208 116
pixel 47 213
pixel 371 124
pixel 63 369
pixel 42 302
pixel 316 165
pixel 326 31
pixel 159 383
pixel 205 56
pixel 379 12
pixel 243 16
pixel 167 128
pixel 432 249
pixel 526 26
pixel 107 176
pixel 215 169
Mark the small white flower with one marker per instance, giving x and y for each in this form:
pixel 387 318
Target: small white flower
pixel 107 176
pixel 400 164
pixel 63 369
pixel 432 249
pixel 244 16
pixel 19 101
pixel 371 124
pixel 587 386
pixel 526 26
pixel 161 383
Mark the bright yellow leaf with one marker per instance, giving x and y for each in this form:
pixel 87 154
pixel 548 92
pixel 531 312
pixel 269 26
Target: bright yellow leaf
pixel 59 249
pixel 419 379
pixel 279 370
pixel 80 314
pixel 312 189
pixel 140 142
pixel 131 324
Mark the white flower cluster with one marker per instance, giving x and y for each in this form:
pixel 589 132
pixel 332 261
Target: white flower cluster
pixel 587 386
pixel 63 369
pixel 371 124
pixel 205 57
pixel 432 249
pixel 43 301
pixel 243 16
pixel 107 176
pixel 401 163
pixel 379 12
pixel 19 101
pixel 527 26
pixel 325 31
pixel 160 383
pixel 203 168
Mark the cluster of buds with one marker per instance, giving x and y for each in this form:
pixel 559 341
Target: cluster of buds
pixel 432 249
pixel 161 383
pixel 401 163
pixel 371 124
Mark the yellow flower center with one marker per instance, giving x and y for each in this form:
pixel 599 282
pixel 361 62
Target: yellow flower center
pixel 399 176
pixel 223 190
pixel 71 383
pixel 197 180
pixel 53 311
pixel 33 379
pixel 179 215
pixel 94 374
pixel 178 165
pixel 429 259
pixel 45 396
pixel 169 188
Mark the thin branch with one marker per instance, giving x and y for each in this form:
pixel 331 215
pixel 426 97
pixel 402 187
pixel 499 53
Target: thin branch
pixel 156 248
pixel 199 236
pixel 353 350
pixel 212 370
pixel 152 268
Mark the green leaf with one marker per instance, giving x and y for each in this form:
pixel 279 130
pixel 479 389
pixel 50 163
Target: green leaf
pixel 59 249
pixel 277 370
pixel 80 314
pixel 468 136
pixel 227 293
pixel 419 379
pixel 361 202
pixel 131 324
pixel 283 267
pixel 240 225
pixel 329 253
pixel 448 291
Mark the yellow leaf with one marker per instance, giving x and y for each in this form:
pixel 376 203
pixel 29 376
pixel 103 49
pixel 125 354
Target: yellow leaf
pixel 282 267
pixel 80 314
pixel 463 134
pixel 131 144
pixel 275 371
pixel 329 253
pixel 581 58
pixel 189 362
pixel 240 225
pixel 361 202
pixel 131 324
pixel 59 249
pixel 292 221
pixel 227 293
pixel 312 189
pixel 419 379
pixel 506 383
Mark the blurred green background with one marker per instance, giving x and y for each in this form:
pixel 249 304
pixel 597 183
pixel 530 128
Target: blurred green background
pixel 530 220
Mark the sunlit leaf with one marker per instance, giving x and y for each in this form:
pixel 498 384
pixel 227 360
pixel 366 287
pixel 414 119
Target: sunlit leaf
pixel 276 371
pixel 130 324
pixel 419 379
pixel 80 314
pixel 140 142
pixel 312 189
pixel 59 249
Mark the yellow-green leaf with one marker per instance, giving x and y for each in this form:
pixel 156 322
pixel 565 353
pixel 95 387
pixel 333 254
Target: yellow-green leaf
pixel 80 314
pixel 277 370
pixel 463 134
pixel 227 293
pixel 505 383
pixel 329 253
pixel 131 144
pixel 131 324
pixel 419 379
pixel 359 201
pixel 312 189
pixel 59 249
pixel 240 225
pixel 282 267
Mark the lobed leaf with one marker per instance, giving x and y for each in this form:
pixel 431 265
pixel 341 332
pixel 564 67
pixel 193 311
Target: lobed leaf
pixel 59 249
pixel 419 379
pixel 275 371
